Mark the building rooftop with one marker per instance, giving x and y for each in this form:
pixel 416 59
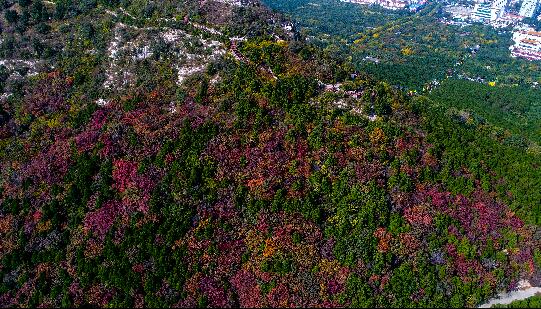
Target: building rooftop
pixel 534 33
pixel 528 41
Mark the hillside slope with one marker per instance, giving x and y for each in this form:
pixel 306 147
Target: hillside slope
pixel 191 159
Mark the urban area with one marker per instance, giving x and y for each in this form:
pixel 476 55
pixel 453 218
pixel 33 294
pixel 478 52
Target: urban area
pixel 521 17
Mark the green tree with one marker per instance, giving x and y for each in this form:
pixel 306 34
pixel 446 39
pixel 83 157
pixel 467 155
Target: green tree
pixel 38 12
pixel 11 16
pixel 25 3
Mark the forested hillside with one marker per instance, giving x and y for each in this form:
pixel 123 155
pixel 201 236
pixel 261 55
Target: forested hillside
pixel 511 109
pixel 409 49
pixel 467 70
pixel 159 154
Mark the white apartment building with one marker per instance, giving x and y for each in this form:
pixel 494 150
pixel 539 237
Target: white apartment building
pixel 498 8
pixel 528 8
pixel 481 12
pixel 527 44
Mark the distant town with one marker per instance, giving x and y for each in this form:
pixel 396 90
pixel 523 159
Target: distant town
pixel 518 15
pixel 412 5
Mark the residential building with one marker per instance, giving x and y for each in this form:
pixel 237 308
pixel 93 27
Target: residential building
pixel 527 44
pixel 393 4
pixel 508 19
pixel 497 8
pixel 482 12
pixel 361 1
pixel 413 5
pixel 459 13
pixel 529 8
pixel 489 11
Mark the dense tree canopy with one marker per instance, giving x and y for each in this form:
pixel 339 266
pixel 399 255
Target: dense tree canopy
pixel 272 175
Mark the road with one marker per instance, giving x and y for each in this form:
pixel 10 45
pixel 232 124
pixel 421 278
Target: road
pixel 525 290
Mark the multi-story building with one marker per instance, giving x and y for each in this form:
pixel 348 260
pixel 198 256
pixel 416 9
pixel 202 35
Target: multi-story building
pixel 482 11
pixel 508 19
pixel 489 11
pixel 361 1
pixel 529 8
pixel 459 13
pixel 393 4
pixel 497 8
pixel 414 5
pixel 527 44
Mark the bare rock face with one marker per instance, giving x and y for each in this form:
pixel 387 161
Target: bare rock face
pixel 219 12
